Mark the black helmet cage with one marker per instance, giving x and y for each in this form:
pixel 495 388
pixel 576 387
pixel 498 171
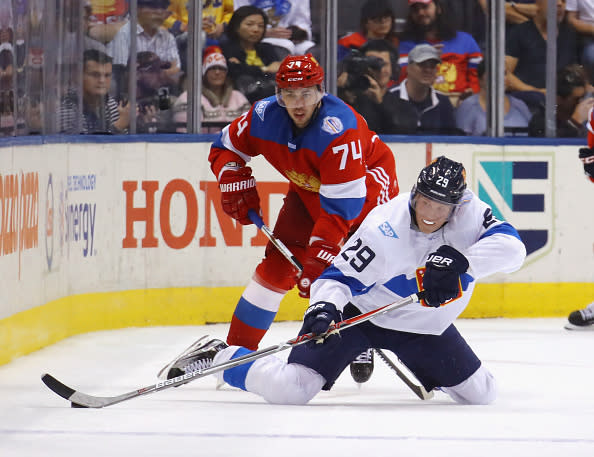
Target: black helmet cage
pixel 443 180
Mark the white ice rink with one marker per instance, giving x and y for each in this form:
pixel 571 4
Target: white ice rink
pixel 545 405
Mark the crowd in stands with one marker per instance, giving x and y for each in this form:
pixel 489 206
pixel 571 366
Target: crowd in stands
pixel 422 73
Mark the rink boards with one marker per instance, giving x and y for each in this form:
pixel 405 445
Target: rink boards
pixel 107 235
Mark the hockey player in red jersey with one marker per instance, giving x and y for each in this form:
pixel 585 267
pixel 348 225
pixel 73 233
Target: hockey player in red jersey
pixel 338 170
pixel 583 319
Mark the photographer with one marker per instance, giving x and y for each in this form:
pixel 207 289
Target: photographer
pixel 153 98
pixel 574 102
pixel 364 82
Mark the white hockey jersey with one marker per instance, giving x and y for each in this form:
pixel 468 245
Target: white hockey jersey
pixel 383 262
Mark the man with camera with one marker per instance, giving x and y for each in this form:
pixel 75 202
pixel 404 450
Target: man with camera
pixel 434 113
pixel 368 75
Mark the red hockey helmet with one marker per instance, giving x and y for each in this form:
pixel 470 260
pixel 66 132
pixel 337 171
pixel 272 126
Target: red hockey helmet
pixel 299 71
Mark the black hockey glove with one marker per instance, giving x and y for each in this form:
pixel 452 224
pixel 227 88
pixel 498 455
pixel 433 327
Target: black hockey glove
pixel 587 158
pixel 441 280
pixel 317 319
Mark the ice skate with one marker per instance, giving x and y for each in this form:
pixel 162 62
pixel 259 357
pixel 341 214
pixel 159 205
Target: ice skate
pixel 362 366
pixel 198 356
pixel 582 319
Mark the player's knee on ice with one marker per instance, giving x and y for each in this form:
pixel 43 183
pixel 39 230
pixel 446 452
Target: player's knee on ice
pixel 281 383
pixel 479 389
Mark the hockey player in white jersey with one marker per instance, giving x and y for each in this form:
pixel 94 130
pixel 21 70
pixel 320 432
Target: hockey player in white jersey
pixel 440 238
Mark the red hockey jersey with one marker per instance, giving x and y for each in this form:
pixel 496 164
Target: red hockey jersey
pixel 339 168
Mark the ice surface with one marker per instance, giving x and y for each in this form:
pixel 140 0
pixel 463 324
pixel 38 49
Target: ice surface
pixel 545 405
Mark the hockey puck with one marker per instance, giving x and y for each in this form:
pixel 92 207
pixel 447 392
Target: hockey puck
pixel 76 405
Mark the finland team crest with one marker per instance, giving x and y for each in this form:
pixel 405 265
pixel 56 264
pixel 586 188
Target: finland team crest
pixel 387 230
pixel 520 191
pixel 332 125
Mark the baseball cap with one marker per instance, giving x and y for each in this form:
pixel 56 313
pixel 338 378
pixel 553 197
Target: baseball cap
pixel 412 2
pixel 422 53
pixel 213 59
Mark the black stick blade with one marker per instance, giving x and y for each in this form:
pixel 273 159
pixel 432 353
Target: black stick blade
pixel 56 386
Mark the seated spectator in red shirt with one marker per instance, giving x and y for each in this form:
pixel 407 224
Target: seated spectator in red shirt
pixel 251 63
pixel 429 22
pixel 377 22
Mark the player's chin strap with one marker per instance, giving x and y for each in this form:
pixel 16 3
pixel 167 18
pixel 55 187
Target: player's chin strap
pixel 409 378
pixel 82 400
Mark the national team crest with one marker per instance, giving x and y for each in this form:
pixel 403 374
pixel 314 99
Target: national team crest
pixel 332 125
pixel 261 107
pixel 519 190
pixel 387 230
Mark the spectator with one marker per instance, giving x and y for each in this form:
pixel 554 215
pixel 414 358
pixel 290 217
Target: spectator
pixel 517 12
pixel 101 113
pixel 470 17
pixel 89 41
pixel 580 15
pixel 428 22
pixel 107 18
pixel 252 63
pixel 150 36
pixel 471 115
pixel 215 17
pixel 289 25
pixel 220 102
pixel 6 66
pixel 526 51
pixel 373 72
pixel 574 102
pixel 377 21
pixel 153 95
pixel 434 111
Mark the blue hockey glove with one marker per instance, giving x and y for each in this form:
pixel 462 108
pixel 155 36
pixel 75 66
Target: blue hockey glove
pixel 441 280
pixel 318 318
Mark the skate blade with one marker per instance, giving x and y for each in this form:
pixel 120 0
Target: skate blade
pixel 579 328
pixel 163 371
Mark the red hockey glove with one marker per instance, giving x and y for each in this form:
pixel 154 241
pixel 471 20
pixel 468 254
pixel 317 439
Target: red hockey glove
pixel 587 157
pixel 318 256
pixel 239 194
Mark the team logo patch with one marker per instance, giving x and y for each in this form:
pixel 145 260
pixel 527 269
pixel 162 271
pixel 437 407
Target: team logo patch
pixel 387 230
pixel 261 107
pixel 332 125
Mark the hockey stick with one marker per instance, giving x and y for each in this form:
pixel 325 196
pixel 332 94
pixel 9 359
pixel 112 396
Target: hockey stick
pixel 82 400
pixel 417 389
pixel 256 219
